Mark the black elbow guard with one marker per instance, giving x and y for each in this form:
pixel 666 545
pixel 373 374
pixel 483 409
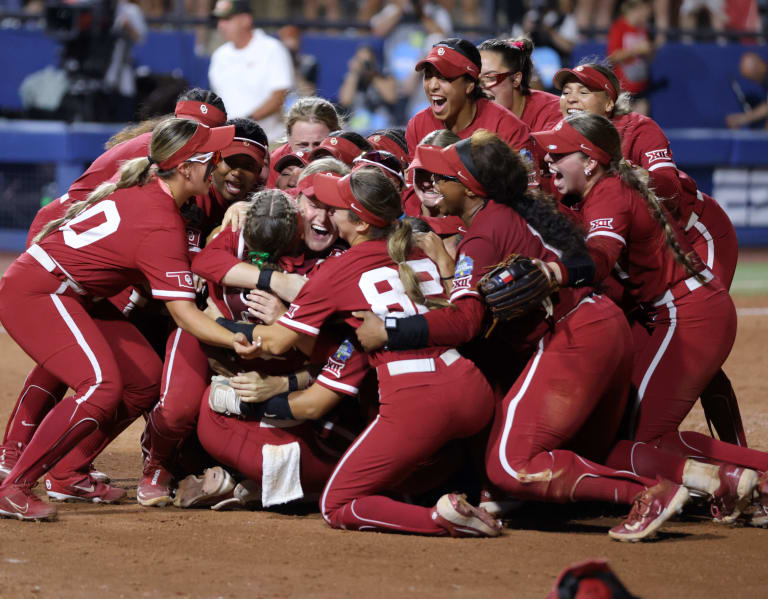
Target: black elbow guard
pixel 411 332
pixel 580 269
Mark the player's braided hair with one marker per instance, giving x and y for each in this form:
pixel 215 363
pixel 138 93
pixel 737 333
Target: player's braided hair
pixel 516 54
pixel 313 110
pixel 604 135
pixel 271 223
pixel 374 190
pixel 167 139
pixel 504 175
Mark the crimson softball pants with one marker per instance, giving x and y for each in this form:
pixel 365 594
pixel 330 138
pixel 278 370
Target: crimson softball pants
pixel 184 379
pixel 57 332
pixel 574 388
pixel 239 443
pixel 419 413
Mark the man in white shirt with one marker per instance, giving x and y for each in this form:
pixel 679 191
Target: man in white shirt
pixel 252 72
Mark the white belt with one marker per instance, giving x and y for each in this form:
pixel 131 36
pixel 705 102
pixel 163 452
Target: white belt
pixel 692 283
pixel 52 266
pixel 421 364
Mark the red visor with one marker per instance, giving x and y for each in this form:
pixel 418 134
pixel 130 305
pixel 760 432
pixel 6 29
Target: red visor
pixel 242 145
pixel 336 191
pixel 449 62
pixel 306 185
pixel 207 114
pixel 294 159
pixel 564 139
pixel 338 147
pixel 591 78
pixel 446 161
pixel 382 142
pixel 204 140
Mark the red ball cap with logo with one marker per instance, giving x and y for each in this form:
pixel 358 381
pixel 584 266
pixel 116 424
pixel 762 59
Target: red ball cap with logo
pixel 564 139
pixel 204 140
pixel 202 112
pixel 588 76
pixel 336 192
pixel 338 147
pixel 453 58
pixel 249 147
pixel 299 158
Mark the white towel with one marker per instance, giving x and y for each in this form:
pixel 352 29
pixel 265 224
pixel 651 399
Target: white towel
pixel 281 474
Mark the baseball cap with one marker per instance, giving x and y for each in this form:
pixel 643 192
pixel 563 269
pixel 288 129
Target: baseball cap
pixel 453 161
pixel 384 161
pixel 453 58
pixel 564 139
pixel 381 141
pixel 202 112
pixel 336 192
pixel 338 147
pixel 225 9
pixel 293 159
pixel 588 76
pixel 204 140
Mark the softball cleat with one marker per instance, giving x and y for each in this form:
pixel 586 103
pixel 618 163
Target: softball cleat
pixel 18 501
pixel 651 508
pixel 735 493
pixel 81 488
pixel 461 519
pixel 154 489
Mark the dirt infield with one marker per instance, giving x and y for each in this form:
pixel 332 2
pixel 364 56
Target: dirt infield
pixel 130 551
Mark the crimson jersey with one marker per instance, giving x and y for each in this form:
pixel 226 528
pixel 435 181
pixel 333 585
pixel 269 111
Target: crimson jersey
pixel 623 234
pixel 133 236
pixel 490 116
pixel 542 110
pixel 202 214
pixel 363 278
pixel 276 155
pixel 345 369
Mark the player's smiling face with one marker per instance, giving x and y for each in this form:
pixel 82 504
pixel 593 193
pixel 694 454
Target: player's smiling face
pixel 346 228
pixel 493 64
pixel 236 176
pixel 453 195
pixel 319 231
pixel 576 97
pixel 446 97
pixel 568 172
pixel 288 177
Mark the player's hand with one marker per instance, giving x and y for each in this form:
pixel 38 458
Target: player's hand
pixel 432 245
pixel 264 306
pixel 198 282
pixel 371 334
pixel 252 387
pixel 244 348
pixel 235 215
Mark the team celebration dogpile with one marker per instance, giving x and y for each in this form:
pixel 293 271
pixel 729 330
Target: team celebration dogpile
pixel 517 298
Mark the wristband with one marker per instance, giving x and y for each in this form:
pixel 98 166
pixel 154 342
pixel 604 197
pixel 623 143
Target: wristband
pixel 293 382
pixel 411 332
pixel 265 278
pixel 448 278
pixel 580 270
pixel 237 327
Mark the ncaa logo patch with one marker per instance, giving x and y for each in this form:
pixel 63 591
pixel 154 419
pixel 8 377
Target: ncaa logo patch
pixel 655 155
pixel 601 223
pixel 463 273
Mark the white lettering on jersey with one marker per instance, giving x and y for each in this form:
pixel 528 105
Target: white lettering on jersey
pixel 601 223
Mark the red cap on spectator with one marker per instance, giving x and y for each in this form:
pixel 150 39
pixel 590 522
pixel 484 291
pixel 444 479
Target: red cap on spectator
pixel 590 77
pixel 564 139
pixel 204 113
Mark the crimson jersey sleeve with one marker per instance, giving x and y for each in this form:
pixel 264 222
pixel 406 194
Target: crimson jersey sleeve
pixel 311 309
pixel 456 325
pixel 162 258
pixel 475 256
pixel 651 150
pixel 608 221
pixel 344 370
pixel 219 257
pixel 411 137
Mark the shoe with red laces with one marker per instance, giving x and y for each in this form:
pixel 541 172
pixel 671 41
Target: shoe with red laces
pixel 155 489
pixel 461 519
pixel 81 488
pixel 18 501
pixel 213 487
pixel 9 455
pixel 757 512
pixel 737 487
pixel 650 510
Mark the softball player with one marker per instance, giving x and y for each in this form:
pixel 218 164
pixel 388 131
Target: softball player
pixel 423 393
pixel 120 235
pixel 574 381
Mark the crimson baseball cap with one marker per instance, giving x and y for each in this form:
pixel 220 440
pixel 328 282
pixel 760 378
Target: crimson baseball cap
pixel 249 147
pixel 453 58
pixel 588 76
pixel 336 192
pixel 564 139
pixel 339 147
pixel 385 162
pixel 453 161
pixel 381 141
pixel 293 159
pixel 204 140
pixel 202 112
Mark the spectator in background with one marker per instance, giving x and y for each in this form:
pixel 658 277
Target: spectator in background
pixel 752 67
pixel 553 25
pixel 305 67
pixel 252 72
pixel 630 51
pixel 367 93
pixel 689 14
pixel 130 28
pixel 593 14
pixel 410 28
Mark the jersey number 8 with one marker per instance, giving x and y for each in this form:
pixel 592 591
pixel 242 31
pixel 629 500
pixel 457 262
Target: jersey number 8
pixel 384 291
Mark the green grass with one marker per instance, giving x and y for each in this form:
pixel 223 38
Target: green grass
pixel 751 278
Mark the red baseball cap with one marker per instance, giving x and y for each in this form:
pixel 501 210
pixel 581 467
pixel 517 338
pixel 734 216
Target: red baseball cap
pixel 449 59
pixel 202 112
pixel 453 161
pixel 249 147
pixel 386 143
pixel 204 140
pixel 564 139
pixel 589 76
pixel 336 191
pixel 337 147
pixel 293 159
